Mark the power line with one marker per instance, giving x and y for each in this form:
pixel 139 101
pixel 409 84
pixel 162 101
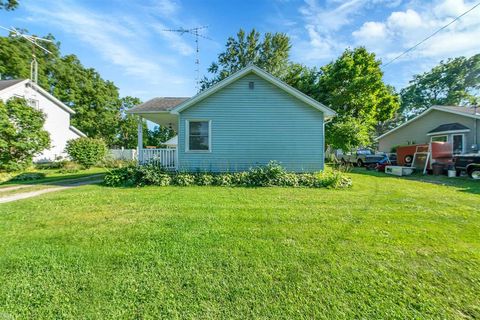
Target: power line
pixel 430 36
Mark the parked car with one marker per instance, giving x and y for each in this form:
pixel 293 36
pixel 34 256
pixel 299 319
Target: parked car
pixel 361 157
pixel 470 163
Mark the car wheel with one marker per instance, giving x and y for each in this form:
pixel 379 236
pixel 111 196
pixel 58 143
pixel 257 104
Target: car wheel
pixel 408 159
pixel 474 173
pixel 360 163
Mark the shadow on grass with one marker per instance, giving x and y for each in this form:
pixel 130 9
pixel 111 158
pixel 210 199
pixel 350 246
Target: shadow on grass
pixel 39 178
pixel 464 184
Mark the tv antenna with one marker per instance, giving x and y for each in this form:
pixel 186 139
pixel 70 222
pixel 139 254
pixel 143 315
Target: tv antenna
pixel 195 32
pixel 34 40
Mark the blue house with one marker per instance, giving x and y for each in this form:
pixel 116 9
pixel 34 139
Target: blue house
pixel 247 119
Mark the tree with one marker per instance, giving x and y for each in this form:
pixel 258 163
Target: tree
pixel 21 134
pixel 353 86
pixel 270 54
pixel 303 78
pixel 96 101
pixel 159 135
pixel 128 124
pixel 8 4
pixel 454 82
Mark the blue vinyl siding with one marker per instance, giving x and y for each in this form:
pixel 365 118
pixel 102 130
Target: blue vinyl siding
pixel 253 126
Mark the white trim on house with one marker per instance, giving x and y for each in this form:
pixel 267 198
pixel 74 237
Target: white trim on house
pixel 187 136
pixel 45 93
pixel 262 74
pixel 448 132
pixel 438 108
pixel 49 96
pixel 439 136
pixel 80 133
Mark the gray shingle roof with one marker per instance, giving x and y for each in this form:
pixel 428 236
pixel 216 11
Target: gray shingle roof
pixel 4 84
pixel 466 110
pixel 158 104
pixel 449 127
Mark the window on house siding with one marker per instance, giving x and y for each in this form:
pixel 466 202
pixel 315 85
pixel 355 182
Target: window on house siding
pixel 198 135
pixel 443 138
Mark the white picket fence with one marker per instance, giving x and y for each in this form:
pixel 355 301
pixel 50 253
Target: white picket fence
pixel 166 158
pixel 123 154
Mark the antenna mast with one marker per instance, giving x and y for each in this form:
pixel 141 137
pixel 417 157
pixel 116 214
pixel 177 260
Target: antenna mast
pixel 195 32
pixel 34 64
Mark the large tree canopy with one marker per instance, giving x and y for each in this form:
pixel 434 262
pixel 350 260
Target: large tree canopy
pixel 8 4
pixel 353 86
pixel 270 53
pixel 21 134
pixel 96 101
pixel 454 82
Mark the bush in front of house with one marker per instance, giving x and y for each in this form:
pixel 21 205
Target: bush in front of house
pixel 87 151
pixel 270 175
pixel 22 136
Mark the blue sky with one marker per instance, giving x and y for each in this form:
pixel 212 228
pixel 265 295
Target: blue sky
pixel 125 41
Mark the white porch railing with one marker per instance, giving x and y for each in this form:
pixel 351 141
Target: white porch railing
pixel 166 158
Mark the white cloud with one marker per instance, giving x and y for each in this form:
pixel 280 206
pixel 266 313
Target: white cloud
pixel 409 27
pixel 174 39
pixel 406 20
pixel 117 38
pixel 371 31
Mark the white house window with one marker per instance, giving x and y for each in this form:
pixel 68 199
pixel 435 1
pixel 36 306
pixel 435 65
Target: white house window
pixel 198 135
pixel 33 103
pixel 443 138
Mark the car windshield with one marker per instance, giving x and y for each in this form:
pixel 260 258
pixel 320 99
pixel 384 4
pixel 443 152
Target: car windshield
pixel 366 152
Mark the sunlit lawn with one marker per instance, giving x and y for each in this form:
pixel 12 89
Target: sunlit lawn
pixel 387 248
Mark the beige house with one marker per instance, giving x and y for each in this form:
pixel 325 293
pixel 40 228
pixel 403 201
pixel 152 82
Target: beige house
pixel 459 126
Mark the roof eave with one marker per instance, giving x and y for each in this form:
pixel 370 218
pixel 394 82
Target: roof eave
pixel 438 108
pixel 264 75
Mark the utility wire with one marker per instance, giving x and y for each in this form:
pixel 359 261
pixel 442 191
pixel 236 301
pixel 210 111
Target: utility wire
pixel 430 36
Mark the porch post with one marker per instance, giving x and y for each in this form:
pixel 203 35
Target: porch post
pixel 140 140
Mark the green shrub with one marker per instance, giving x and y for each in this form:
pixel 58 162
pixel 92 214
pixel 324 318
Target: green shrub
pixel 270 175
pixel 335 180
pixel 183 179
pixel 29 176
pixel 288 180
pixel 126 176
pixel 152 175
pixel 204 179
pixel 241 179
pixel 265 176
pixel 87 151
pixel 224 180
pixel 70 167
pixel 309 180
pixel 49 165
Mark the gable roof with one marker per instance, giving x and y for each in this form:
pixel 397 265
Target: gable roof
pixel 469 112
pixel 158 104
pixel 262 74
pixel 5 84
pixel 449 127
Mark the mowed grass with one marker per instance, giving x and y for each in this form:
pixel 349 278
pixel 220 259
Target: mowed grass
pixel 51 176
pixel 387 248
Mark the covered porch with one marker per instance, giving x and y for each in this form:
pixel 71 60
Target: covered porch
pixel 157 111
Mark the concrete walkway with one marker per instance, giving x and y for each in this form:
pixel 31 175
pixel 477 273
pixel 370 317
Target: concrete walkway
pixel 59 185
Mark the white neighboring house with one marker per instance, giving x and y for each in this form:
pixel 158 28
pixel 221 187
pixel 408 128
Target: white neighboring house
pixel 57 121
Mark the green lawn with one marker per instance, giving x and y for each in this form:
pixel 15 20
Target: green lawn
pixel 51 175
pixel 387 248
